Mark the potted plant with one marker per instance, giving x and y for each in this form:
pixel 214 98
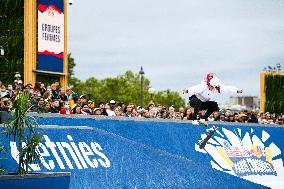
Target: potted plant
pixel 22 129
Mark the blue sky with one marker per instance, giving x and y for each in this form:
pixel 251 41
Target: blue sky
pixel 177 41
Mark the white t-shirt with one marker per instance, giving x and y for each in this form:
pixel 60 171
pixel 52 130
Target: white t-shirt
pixel 203 93
pixel 110 112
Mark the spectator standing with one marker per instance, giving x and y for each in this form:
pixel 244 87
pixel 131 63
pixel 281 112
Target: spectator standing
pixel 121 106
pixel 172 113
pixel 269 118
pixel 91 106
pixel 3 92
pixel 118 111
pixel 18 83
pixel 10 92
pixel 47 107
pixel 216 116
pixel 57 85
pixel 164 113
pixel 252 117
pixel 231 118
pixel 86 110
pixel 227 114
pixel 42 88
pixel 74 101
pixel 69 93
pixel 40 105
pixel 36 88
pixel 103 109
pixel 55 106
pixel 222 118
pixel 110 110
pixel 66 108
pixel 279 120
pixel 152 109
pixel 182 111
pixel 62 95
pixel 129 110
pixel 211 117
pixel 77 110
pixel 188 114
pixel 54 93
pixel 5 104
pixel 83 100
pixel 97 111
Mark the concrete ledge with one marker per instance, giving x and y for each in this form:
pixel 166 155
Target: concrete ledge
pixel 35 175
pixel 45 180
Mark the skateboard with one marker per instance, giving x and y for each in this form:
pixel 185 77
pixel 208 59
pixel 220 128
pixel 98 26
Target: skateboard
pixel 210 131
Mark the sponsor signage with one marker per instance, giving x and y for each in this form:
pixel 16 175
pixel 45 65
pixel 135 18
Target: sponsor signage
pixel 50 55
pixel 66 155
pixel 246 155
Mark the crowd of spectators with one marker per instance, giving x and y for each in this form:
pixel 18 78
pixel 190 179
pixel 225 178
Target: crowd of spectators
pixel 53 99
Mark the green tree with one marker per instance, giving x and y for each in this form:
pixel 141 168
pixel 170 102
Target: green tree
pixel 126 88
pixel 169 98
pixel 72 80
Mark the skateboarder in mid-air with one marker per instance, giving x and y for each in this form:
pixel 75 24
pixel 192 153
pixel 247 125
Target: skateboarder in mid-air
pixel 202 94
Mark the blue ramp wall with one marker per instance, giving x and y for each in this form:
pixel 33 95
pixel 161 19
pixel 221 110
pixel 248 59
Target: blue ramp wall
pixel 142 154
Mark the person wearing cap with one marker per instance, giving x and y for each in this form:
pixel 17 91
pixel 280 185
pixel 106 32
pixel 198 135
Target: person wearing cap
pixel 201 96
pixel 97 111
pixel 17 75
pixel 83 99
pixel 110 111
pixel 74 100
pixel 10 91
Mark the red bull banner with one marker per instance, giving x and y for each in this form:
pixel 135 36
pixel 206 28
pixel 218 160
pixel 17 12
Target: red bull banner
pixel 50 55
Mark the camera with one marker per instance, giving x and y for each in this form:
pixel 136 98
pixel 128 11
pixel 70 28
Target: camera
pixel 70 2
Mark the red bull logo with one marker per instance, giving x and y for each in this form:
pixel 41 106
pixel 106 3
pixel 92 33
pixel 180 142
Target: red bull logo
pixel 245 155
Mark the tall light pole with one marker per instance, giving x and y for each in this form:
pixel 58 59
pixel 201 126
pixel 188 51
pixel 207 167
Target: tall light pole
pixel 141 72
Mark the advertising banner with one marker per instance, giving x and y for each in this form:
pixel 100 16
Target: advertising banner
pixel 120 153
pixel 50 55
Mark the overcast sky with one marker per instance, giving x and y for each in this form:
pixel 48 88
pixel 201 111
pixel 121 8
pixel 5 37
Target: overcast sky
pixel 177 41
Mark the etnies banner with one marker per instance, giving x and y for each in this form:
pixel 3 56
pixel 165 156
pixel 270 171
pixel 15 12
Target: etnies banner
pixel 50 56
